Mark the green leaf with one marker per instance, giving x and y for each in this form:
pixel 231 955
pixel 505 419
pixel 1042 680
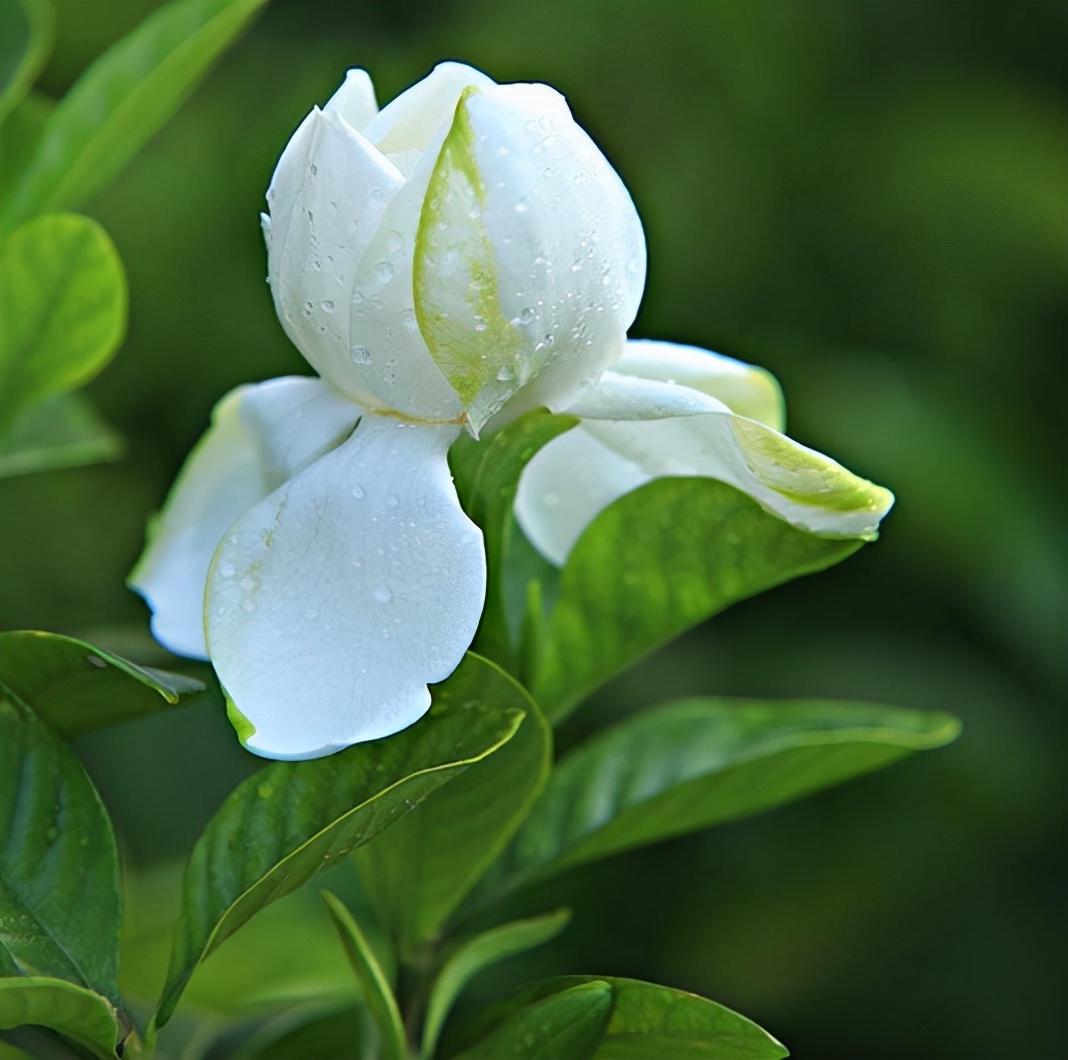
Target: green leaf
pixel 82 1015
pixel 653 564
pixel 567 1024
pixel 63 309
pixel 60 901
pixel 377 994
pixel 487 477
pixel 477 953
pixel 123 99
pixel 26 30
pixel 650 1022
pixel 698 762
pixel 61 432
pixel 422 868
pixel 288 821
pixel 76 687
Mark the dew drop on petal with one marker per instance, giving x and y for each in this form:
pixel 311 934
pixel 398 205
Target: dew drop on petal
pixel 383 595
pixel 384 272
pixel 326 306
pixel 227 570
pixel 249 584
pixel 357 492
pixel 360 355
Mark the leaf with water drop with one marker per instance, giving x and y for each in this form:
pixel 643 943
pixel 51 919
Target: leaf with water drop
pixel 643 1021
pixel 292 819
pixel 60 891
pixel 76 687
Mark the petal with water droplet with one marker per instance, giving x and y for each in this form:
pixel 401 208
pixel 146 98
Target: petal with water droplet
pixel 397 590
pixel 649 428
pixel 259 436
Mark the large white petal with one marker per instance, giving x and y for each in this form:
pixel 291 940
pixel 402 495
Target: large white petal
pixel 700 436
pixel 259 435
pixel 531 256
pixel 337 599
pixel 326 207
pixel 743 388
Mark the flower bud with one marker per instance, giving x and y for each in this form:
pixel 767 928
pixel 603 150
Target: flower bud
pixel 466 243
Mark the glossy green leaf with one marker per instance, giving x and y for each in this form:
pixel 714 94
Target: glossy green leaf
pixel 60 901
pixel 567 1024
pixel 26 28
pixel 127 94
pixel 653 564
pixel 420 870
pixel 60 432
pixel 62 309
pixel 651 1022
pixel 376 991
pixel 76 687
pixel 80 1014
pixel 477 953
pixel 291 819
pixel 698 762
pixel 487 476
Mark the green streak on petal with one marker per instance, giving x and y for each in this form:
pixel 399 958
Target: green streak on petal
pixel 457 305
pixel 800 475
pixel 242 726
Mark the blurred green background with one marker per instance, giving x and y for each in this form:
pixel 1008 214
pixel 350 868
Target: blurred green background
pixel 868 198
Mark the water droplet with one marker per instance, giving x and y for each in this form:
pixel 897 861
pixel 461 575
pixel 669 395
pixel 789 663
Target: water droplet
pixel 317 265
pixel 357 492
pixel 227 570
pixel 313 169
pixel 502 151
pixel 234 539
pixel 384 272
pixel 326 306
pixel 383 594
pixel 308 307
pixel 506 374
pixel 249 584
pixel 394 242
pixel 408 319
pixel 521 207
pixel 480 327
pixel 526 315
pixel 360 355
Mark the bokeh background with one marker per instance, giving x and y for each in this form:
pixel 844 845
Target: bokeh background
pixel 868 198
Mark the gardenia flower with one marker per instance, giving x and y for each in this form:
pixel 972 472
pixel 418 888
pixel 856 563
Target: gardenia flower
pixel 460 256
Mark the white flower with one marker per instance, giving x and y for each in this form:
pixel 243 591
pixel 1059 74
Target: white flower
pixel 464 253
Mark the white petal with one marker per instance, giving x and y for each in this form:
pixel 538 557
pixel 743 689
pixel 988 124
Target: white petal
pixel 336 600
pixel 627 397
pixel 393 366
pixel 324 215
pixel 531 257
pixel 565 485
pixel 690 434
pixel 743 388
pixel 418 115
pixel 354 101
pixel 259 436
